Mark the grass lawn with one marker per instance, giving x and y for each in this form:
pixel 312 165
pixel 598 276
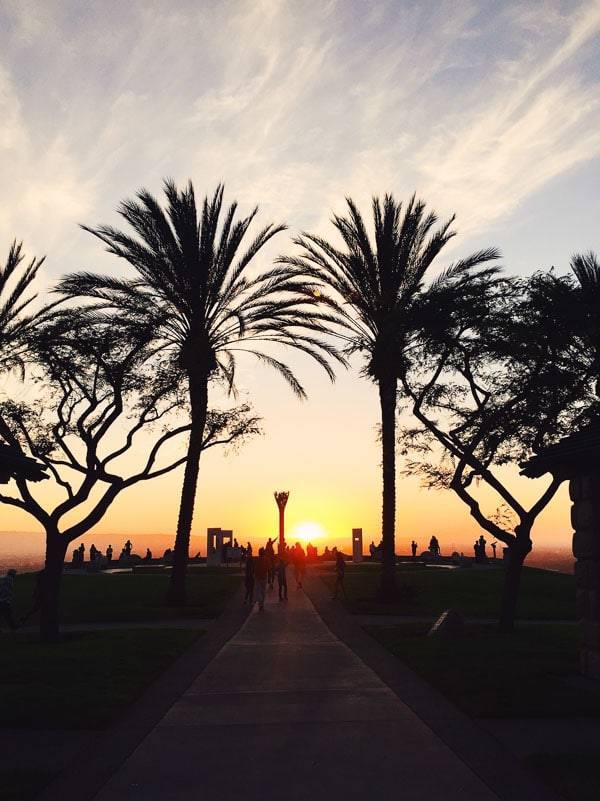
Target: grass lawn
pixel 22 785
pixel 544 595
pixel 84 681
pixel 490 675
pixel 133 596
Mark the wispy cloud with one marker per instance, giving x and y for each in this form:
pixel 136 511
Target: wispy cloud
pixel 294 105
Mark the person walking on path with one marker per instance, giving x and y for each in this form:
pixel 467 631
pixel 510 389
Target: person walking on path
pixel 7 591
pixel 261 570
pixel 249 579
pixel 340 573
pixel 299 565
pixel 282 578
pixel 270 554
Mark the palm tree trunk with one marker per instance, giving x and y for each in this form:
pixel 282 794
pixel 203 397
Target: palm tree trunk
pixel 517 552
pixel 387 397
pixel 56 547
pixel 176 594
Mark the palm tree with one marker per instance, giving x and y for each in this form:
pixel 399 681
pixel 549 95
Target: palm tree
pixel 378 291
pixel 586 309
pixel 15 324
pixel 192 285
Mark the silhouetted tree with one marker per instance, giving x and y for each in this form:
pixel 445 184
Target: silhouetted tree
pixel 505 383
pixel 378 292
pixel 193 288
pixel 99 387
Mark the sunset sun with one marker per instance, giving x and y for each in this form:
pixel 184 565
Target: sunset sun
pixel 306 531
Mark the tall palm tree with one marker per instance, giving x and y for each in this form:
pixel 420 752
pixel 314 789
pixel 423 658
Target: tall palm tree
pixel 16 319
pixel 378 293
pixel 192 285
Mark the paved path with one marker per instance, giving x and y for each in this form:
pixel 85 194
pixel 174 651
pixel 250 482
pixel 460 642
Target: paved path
pixel 286 710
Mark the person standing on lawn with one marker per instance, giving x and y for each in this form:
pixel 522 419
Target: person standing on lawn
pixel 261 570
pixel 37 596
pixel 7 591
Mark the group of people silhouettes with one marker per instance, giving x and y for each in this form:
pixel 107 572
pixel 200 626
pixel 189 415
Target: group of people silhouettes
pixel 261 572
pixel 96 554
pixel 479 548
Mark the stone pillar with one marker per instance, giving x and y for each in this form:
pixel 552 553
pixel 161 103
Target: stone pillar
pixel 213 546
pixel 585 518
pixel 357 552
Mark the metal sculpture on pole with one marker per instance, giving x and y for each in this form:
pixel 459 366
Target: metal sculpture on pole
pixel 281 498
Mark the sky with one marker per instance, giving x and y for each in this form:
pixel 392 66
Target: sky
pixel 489 110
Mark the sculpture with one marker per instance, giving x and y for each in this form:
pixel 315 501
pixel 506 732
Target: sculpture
pixel 281 498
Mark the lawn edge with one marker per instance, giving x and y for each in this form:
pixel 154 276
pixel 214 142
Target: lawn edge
pixel 106 752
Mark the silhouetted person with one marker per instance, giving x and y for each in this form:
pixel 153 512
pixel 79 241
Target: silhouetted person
pixel 148 557
pixel 82 553
pixel 93 552
pixel 7 591
pixel 434 546
pixel 282 578
pixel 413 548
pixel 482 553
pixel 249 579
pixel 37 596
pixel 249 549
pixel 270 554
pixel 340 573
pixel 261 569
pixel 127 548
pixel 235 544
pixel 109 554
pixel 299 565
pixel 493 546
pixel 225 553
pixel 476 549
pixel 167 556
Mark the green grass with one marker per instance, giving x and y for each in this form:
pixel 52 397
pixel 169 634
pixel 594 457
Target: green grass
pixel 85 680
pixel 544 595
pixel 574 776
pixel 23 785
pixel 133 596
pixel 489 675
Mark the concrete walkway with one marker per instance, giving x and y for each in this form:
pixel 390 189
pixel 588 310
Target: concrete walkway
pixel 286 710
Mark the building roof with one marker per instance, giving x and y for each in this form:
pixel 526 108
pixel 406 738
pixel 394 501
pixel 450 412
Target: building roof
pixel 577 454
